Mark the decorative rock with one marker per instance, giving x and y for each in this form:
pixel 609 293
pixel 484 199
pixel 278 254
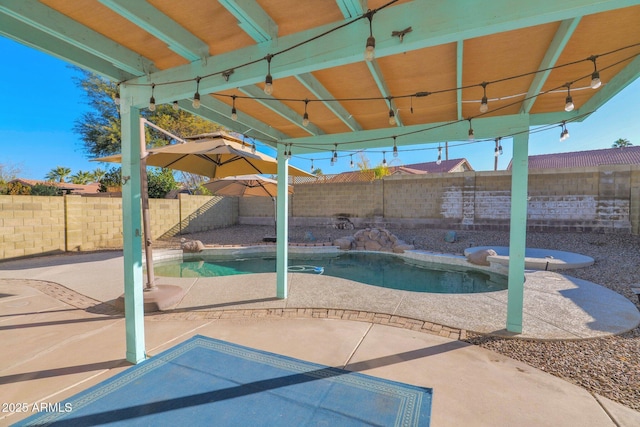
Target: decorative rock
pixel 399 249
pixel 451 236
pixel 480 257
pixel 373 239
pixel 191 246
pixel 345 243
pixel 372 245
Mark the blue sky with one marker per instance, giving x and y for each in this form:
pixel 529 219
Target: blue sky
pixel 40 103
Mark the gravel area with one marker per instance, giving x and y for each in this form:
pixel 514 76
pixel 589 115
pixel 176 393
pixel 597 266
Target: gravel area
pixel 607 366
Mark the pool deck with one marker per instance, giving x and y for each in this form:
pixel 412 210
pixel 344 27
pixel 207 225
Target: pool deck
pixel 60 338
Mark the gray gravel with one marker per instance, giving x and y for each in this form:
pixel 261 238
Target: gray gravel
pixel 607 366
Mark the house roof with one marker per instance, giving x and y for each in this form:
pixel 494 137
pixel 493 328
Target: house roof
pixel 577 159
pixel 445 166
pixel 92 188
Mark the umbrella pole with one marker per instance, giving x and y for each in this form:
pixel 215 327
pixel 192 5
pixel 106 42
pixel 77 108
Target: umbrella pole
pixel 146 223
pixel 275 214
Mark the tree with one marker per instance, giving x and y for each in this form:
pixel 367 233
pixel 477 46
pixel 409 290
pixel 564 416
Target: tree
pixel 9 172
pixel 112 178
pixel 82 177
pixel 59 174
pixel 45 190
pixel 621 143
pixel 100 128
pixel 160 182
pixel 98 174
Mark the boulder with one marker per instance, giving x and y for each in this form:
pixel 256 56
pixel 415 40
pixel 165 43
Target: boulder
pixel 192 246
pixel 372 245
pixel 345 243
pixel 399 249
pixel 479 257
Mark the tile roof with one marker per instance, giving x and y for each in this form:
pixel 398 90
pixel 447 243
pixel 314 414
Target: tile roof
pixel 577 159
pixel 413 169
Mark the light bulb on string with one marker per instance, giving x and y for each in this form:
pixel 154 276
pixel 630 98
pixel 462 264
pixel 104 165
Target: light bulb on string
pixel 117 98
pixel 253 148
pixel 484 106
pixel 196 96
pixel 152 100
pixel 305 117
pixel 175 106
pixel 471 133
pixel 312 168
pixel 595 76
pixel 351 164
pixel 500 146
pixel 234 113
pixel 384 159
pixel 568 106
pixel 439 161
pixel 395 148
pixel 370 47
pixel 268 80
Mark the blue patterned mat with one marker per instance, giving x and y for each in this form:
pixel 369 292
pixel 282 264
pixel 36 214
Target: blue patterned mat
pixel 204 381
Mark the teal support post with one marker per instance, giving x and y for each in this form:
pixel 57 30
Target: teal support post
pixel 282 224
pixel 518 231
pixel 132 234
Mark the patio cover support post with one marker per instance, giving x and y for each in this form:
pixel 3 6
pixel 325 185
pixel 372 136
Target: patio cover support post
pixel 518 231
pixel 282 224
pixel 132 235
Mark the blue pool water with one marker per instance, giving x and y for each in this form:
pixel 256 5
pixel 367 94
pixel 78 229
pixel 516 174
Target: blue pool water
pixel 383 270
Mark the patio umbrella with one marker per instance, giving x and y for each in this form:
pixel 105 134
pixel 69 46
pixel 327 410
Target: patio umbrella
pixel 214 155
pixel 246 186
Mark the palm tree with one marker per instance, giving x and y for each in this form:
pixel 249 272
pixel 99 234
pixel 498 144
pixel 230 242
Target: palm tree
pixel 59 173
pixel 98 174
pixel 621 143
pixel 82 177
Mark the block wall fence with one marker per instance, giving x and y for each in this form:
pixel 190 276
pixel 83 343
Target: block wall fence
pixel 602 199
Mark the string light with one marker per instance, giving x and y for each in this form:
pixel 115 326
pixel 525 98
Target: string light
pixel 196 96
pixel 117 98
pixel 334 157
pixel 351 164
pixel 568 106
pixel 234 113
pixel 175 106
pixel 370 47
pixel 439 161
pixel 384 160
pixel 305 118
pixel 564 133
pixel 268 80
pixel 392 116
pixel 287 155
pixel 471 134
pixel 497 150
pixel 312 168
pixel 500 146
pixel 253 148
pixel 152 100
pixel 484 107
pixel 595 76
pixel 395 148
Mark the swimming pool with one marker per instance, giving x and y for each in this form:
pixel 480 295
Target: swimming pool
pixel 378 269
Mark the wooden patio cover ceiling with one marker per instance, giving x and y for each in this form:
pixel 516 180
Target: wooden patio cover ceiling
pixel 452 48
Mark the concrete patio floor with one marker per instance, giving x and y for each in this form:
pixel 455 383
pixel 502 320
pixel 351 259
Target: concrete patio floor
pixel 59 340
